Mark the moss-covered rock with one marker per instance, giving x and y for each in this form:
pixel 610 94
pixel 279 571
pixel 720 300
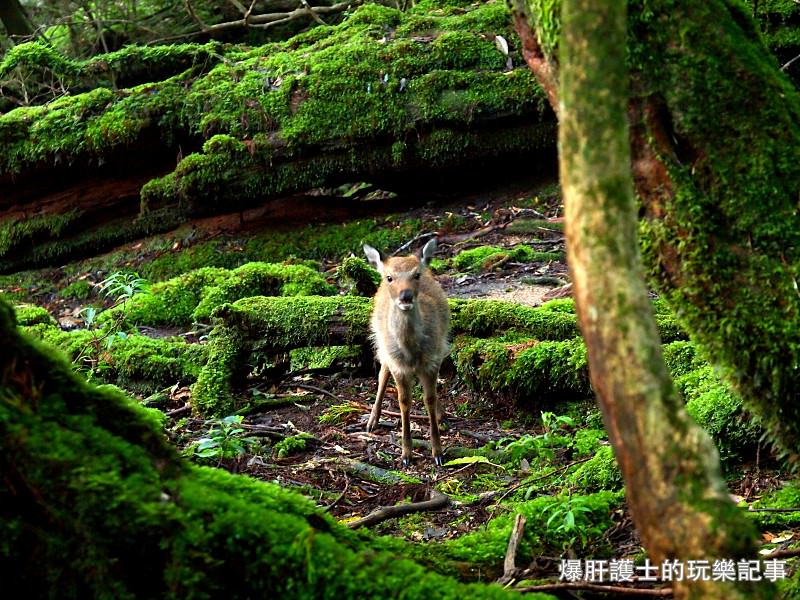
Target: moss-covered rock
pixel 91 488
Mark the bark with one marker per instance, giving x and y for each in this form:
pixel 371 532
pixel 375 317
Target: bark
pixel 714 139
pixel 673 483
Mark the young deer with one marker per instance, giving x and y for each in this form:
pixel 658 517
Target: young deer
pixel 410 323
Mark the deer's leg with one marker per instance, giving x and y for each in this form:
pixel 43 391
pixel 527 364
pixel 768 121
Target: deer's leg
pixel 404 387
pixel 432 406
pixel 375 416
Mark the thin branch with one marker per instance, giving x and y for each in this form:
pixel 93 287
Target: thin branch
pixel 340 496
pixel 788 553
pixel 264 21
pixel 438 501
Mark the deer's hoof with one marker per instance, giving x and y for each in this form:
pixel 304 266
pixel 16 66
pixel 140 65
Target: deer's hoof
pixel 438 460
pixel 406 461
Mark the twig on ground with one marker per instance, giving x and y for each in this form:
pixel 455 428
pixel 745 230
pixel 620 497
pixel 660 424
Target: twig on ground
pixel 438 501
pixel 509 564
pixel 340 496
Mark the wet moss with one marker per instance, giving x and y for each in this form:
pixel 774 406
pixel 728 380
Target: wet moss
pixel 721 413
pixel 599 473
pixel 134 362
pixel 536 374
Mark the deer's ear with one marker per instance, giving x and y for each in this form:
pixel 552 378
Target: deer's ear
pixel 374 257
pixel 427 252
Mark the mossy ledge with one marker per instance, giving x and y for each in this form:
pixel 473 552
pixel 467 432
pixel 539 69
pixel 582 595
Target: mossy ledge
pixel 424 91
pixel 87 474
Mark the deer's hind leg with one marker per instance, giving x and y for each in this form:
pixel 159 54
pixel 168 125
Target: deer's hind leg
pixel 375 416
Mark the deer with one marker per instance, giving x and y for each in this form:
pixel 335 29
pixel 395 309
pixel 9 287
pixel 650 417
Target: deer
pixel 410 324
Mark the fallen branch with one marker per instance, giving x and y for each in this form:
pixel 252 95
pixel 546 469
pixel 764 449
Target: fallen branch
pixel 509 564
pixel 266 20
pixel 438 501
pixel 595 587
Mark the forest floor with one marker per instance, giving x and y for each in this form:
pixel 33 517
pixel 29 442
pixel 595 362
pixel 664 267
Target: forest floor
pixel 310 434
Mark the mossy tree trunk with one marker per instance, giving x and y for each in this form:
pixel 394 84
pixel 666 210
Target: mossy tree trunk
pixel 673 482
pixel 715 135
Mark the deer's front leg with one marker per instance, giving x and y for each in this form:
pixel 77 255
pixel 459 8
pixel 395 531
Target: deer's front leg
pixel 432 406
pixel 404 386
pixel 375 416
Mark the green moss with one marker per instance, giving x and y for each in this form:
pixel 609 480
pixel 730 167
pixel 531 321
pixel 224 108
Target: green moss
pixel 33 315
pixel 133 362
pixel 355 275
pixel 484 258
pixel 785 497
pixel 193 296
pixel 536 374
pixel 720 412
pixel 78 290
pixel 270 119
pixel 599 473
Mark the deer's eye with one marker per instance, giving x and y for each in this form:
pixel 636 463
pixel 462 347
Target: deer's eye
pixel 389 278
pixel 416 275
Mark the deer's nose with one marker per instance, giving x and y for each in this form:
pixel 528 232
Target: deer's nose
pixel 406 296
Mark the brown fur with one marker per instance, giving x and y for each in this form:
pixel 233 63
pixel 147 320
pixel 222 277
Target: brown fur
pixel 410 323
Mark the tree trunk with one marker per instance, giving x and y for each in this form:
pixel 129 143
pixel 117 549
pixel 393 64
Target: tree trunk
pixel 15 20
pixel 715 134
pixel 673 483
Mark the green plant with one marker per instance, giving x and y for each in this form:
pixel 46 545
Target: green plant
pixel 339 413
pixel 292 444
pixel 120 287
pixel 568 522
pixel 224 440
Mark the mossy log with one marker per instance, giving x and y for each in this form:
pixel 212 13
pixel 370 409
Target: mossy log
pixel 95 503
pixel 381 95
pixel 272 325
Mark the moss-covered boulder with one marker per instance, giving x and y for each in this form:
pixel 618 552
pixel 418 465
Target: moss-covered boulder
pixel 95 503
